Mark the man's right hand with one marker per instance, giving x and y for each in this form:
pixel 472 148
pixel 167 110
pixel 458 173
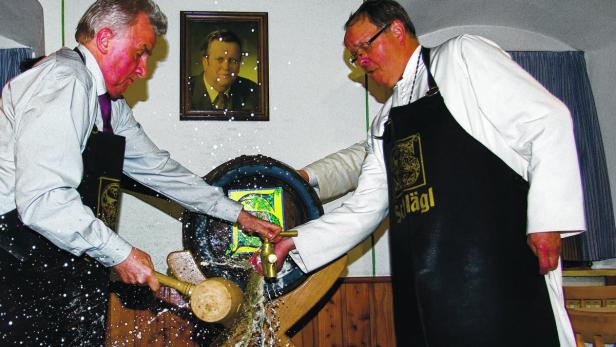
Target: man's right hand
pixel 137 269
pixel 258 226
pixel 281 249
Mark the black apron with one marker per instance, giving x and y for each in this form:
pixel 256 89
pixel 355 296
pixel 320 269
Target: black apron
pixel 48 296
pixel 462 272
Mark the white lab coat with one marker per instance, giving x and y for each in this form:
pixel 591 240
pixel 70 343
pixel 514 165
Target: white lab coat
pixel 506 110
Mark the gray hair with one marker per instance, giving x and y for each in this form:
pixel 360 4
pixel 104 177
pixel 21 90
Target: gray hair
pixel 381 13
pixel 118 15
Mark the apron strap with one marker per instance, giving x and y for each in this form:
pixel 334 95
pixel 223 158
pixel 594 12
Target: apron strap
pixel 433 87
pixel 83 59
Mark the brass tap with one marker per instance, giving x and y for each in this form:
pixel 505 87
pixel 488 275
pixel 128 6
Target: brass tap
pixel 269 258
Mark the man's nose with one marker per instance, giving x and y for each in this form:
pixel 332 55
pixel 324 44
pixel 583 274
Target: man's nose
pixel 363 61
pixel 226 64
pixel 142 68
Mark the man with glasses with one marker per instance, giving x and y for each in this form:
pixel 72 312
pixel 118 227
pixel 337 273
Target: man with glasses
pixel 469 156
pixel 220 87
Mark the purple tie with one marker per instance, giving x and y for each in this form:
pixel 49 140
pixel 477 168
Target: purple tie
pixel 105 102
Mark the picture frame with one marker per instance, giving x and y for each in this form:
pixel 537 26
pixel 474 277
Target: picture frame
pixel 221 78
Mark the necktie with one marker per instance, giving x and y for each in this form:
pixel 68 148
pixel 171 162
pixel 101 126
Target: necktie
pixel 220 102
pixel 105 103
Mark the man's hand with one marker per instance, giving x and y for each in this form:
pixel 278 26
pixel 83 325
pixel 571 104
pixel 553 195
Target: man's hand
pixel 304 175
pixel 281 249
pixel 137 269
pixel 546 247
pixel 172 297
pixel 263 228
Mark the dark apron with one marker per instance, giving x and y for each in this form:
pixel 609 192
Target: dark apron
pixel 462 272
pixel 48 296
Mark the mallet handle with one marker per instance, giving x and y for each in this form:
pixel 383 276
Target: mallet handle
pixel 182 287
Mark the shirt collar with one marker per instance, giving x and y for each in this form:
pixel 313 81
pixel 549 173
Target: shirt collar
pixel 211 92
pixel 92 66
pixel 402 90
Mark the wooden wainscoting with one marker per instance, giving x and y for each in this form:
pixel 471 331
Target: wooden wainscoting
pixel 355 312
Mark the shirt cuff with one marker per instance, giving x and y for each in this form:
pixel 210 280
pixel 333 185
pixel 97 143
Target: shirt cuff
pixel 312 177
pixel 297 258
pixel 114 252
pixel 563 233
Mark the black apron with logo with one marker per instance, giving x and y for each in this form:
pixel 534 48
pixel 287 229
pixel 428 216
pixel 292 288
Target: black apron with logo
pixel 48 296
pixel 462 272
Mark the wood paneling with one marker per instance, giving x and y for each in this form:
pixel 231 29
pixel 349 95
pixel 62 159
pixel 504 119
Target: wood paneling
pixel 359 312
pixel 381 315
pixel 355 312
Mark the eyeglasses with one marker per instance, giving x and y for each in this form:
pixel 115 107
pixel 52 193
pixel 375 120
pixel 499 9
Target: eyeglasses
pixel 365 46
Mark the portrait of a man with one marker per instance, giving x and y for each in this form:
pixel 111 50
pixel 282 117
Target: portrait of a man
pixel 224 66
pixel 220 87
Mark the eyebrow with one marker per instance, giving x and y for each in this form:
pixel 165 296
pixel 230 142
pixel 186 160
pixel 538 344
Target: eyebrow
pixel 145 48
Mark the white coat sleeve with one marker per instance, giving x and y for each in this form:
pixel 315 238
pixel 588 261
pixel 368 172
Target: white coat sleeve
pixel 323 240
pixel 537 126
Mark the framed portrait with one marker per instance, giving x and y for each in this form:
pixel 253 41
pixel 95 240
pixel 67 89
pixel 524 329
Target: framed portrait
pixel 223 66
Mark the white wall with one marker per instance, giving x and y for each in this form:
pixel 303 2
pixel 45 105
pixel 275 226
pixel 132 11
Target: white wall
pixel 315 108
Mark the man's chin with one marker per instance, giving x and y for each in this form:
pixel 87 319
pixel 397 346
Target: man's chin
pixel 222 88
pixel 116 94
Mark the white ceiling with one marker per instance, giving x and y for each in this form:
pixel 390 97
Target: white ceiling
pixel 583 24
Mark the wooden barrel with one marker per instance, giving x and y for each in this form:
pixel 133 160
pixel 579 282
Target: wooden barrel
pixel 210 239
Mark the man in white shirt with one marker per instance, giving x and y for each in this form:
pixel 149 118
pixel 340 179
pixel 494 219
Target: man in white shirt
pixel 468 156
pixel 54 250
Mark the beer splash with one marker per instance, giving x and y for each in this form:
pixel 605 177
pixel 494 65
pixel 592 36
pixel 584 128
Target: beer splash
pixel 257 323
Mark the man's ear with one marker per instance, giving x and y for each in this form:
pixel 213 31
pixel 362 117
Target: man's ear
pixel 103 40
pixel 398 29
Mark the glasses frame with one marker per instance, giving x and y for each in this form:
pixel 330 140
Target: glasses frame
pixel 366 45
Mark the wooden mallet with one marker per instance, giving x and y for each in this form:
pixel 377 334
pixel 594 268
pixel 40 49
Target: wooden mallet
pixel 215 300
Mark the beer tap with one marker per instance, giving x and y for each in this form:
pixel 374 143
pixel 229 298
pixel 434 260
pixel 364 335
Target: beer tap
pixel 269 257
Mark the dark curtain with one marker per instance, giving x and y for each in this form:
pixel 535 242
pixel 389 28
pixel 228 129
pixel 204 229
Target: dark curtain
pixel 10 58
pixel 564 75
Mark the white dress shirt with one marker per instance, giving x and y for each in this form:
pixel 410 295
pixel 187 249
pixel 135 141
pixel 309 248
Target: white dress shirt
pixel 45 121
pixel 505 109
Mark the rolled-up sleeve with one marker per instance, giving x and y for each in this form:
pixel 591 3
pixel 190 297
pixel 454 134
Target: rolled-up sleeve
pixel 335 233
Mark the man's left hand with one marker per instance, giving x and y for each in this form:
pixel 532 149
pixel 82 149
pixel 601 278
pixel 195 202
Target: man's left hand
pixel 546 246
pixel 264 229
